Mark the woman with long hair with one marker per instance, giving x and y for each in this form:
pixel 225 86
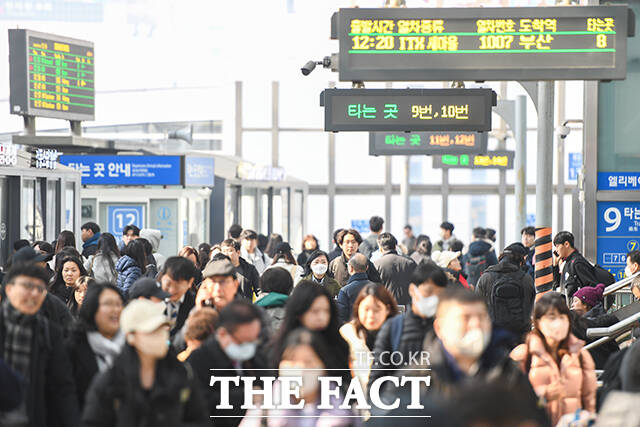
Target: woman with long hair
pixel 65 238
pixel 131 266
pixel 310 306
pixel 284 259
pixel 561 372
pixel 95 340
pixel 68 270
pixel 79 292
pixel 102 265
pixel 423 249
pixel 309 245
pixel 374 305
pixel 274 240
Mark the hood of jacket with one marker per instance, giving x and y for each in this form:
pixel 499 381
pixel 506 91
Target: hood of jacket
pixel 153 236
pixel 272 299
pixel 479 247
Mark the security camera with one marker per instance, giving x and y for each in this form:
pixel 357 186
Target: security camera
pixel 308 68
pixel 563 131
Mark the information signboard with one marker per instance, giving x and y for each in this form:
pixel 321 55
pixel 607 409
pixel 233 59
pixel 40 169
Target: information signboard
pixel 51 76
pixel 407 109
pixel 199 171
pixel 126 170
pixel 618 181
pixel 507 43
pixel 402 143
pixel 618 234
pixel 491 160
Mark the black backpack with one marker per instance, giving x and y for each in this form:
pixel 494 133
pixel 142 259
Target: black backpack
pixel 603 275
pixel 475 266
pixel 506 306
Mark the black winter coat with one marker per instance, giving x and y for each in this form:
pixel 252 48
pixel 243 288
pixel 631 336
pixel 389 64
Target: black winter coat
pixel 51 393
pixel 249 280
pixel 395 273
pixel 414 329
pixel 116 398
pixel 595 318
pixel 83 362
pixel 576 273
pixel 211 356
pixel 57 311
pixel 485 287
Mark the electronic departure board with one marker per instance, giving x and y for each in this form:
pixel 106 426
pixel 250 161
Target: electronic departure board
pixel 510 43
pixel 407 109
pixel 491 160
pixel 416 143
pixel 51 76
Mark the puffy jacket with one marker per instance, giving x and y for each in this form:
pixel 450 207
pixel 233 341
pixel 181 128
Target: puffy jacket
pixel 485 287
pixel 359 354
pixel 128 272
pixel 99 267
pixel 339 271
pixel 116 398
pixel 395 273
pixel 595 318
pixel 576 369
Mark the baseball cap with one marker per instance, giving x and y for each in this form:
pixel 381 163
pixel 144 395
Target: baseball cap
pixel 147 287
pixel 28 254
pixel 516 249
pixel 221 267
pixel 142 315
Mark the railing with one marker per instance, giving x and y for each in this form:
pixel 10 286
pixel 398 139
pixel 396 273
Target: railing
pixel 620 284
pixel 612 332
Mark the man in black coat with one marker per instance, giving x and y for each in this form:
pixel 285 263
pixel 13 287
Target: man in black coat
pixel 231 351
pixel 404 334
pixel 32 346
pixel 509 292
pixel 395 270
pixel 247 274
pixel 577 271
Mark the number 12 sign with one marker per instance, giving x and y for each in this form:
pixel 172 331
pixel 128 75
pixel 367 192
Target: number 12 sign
pixel 121 216
pixel 618 234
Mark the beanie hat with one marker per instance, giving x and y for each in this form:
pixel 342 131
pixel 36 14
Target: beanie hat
pixel 153 236
pixel 590 295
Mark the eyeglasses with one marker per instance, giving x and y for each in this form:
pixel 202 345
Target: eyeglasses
pixel 31 286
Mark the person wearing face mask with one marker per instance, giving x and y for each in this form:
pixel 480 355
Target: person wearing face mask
pixel 232 351
pixel 633 264
pixel 146 385
pixel 306 355
pixel 316 271
pixel 561 372
pixel 446 237
pixel 404 333
pixel 373 306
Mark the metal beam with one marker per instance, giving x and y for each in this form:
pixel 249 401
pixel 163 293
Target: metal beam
pixel 560 117
pixel 544 176
pixel 238 142
pixel 275 131
pixel 520 132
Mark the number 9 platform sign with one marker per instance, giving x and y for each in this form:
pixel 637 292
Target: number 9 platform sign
pixel 121 216
pixel 618 234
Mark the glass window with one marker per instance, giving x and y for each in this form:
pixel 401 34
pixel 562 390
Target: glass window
pixel 69 205
pixel 297 210
pixel 305 156
pixel 27 209
pixel 248 209
pixel 38 223
pixel 4 220
pixel 52 210
pixel 317 220
pixel 278 224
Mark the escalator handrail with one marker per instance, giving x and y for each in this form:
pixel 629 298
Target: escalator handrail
pixel 620 284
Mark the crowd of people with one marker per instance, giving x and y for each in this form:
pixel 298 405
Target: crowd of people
pixel 118 334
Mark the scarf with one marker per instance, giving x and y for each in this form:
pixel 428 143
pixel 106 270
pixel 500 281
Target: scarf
pixel 18 338
pixel 104 348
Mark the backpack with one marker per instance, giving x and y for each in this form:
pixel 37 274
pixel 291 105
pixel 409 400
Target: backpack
pixel 475 266
pixel 506 306
pixel 603 275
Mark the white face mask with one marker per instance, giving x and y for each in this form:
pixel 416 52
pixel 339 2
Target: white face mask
pixel 473 343
pixel 556 329
pixel 427 306
pixel 310 381
pixel 627 271
pixel 241 352
pixel 319 269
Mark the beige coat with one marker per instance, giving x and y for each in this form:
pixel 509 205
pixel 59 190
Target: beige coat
pixel 360 356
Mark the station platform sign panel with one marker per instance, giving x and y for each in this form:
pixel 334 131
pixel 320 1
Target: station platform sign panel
pixel 51 76
pixel 407 109
pixel 416 143
pixel 510 43
pixel 491 160
pixel 119 216
pixel 126 170
pixel 618 234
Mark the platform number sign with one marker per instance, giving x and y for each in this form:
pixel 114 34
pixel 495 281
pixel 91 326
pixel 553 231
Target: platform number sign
pixel 618 234
pixel 121 216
